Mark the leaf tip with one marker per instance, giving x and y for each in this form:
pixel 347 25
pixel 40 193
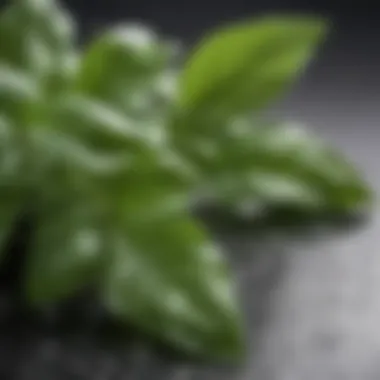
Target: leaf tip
pixel 320 27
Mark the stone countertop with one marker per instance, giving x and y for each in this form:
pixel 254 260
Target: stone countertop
pixel 311 297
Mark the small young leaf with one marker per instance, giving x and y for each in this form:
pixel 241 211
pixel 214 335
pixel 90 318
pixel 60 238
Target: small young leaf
pixel 248 65
pixel 121 66
pixel 167 279
pixel 66 252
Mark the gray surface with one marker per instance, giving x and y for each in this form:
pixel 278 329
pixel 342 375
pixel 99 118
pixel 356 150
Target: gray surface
pixel 312 302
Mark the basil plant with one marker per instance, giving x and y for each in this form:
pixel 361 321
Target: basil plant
pixel 106 148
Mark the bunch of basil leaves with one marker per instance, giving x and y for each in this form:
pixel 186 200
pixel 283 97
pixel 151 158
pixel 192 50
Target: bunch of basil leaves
pixel 106 147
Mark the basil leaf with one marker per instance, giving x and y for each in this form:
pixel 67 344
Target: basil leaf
pixel 12 189
pixel 283 165
pixel 65 162
pixel 66 251
pixel 11 155
pixel 152 182
pixel 105 127
pixel 121 66
pixel 168 279
pixel 38 36
pixel 19 94
pixel 165 165
pixel 98 124
pixel 246 66
pixel 69 163
pixel 139 152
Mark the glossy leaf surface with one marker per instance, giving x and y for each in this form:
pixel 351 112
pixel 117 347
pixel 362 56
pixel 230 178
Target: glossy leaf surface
pixel 282 165
pixel 171 281
pixel 124 66
pixel 246 66
pixel 38 36
pixel 66 252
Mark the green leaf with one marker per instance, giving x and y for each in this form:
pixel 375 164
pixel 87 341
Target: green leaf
pixel 12 195
pixel 12 190
pixel 153 182
pixel 282 165
pixel 122 152
pixel 170 281
pixel 246 66
pixel 66 252
pixel 19 94
pixel 37 36
pixel 66 163
pixel 99 124
pixel 11 155
pixel 62 148
pixel 163 165
pixel 122 65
